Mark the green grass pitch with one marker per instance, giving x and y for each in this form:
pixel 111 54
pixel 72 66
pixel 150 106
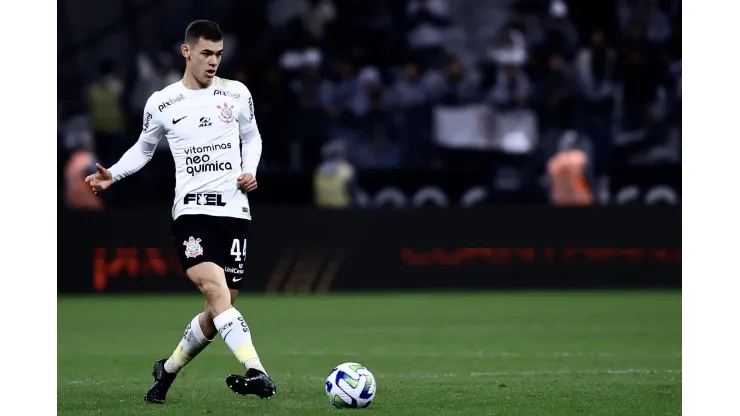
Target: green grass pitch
pixel 605 353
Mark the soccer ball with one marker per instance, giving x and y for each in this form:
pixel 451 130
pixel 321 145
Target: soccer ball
pixel 350 385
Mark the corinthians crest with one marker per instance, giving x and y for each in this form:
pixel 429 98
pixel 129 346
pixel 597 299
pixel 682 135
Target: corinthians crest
pixel 227 113
pixel 192 247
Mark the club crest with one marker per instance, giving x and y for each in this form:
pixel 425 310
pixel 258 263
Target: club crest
pixel 192 247
pixel 227 113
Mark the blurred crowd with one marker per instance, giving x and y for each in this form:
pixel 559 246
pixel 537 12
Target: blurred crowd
pixel 417 83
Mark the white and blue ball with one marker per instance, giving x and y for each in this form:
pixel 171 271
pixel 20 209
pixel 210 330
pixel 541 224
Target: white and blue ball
pixel 350 385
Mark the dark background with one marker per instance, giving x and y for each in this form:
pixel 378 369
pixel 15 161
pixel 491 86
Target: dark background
pixel 382 79
pixel 317 251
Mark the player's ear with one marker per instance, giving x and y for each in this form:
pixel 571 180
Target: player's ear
pixel 185 49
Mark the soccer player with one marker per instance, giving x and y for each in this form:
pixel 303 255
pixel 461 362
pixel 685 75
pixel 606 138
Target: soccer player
pixel 211 130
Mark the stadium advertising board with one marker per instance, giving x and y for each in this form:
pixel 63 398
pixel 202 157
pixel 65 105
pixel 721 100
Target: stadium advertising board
pixel 305 250
pixel 649 185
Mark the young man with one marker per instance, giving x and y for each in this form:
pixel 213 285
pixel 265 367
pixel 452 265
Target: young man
pixel 212 133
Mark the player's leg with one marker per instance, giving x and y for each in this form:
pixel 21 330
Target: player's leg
pixel 196 243
pixel 255 381
pixel 199 333
pixel 206 318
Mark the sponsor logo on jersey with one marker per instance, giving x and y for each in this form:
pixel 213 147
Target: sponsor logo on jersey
pixel 227 113
pixel 234 270
pixel 200 164
pixel 210 148
pixel 227 93
pixel 205 122
pixel 147 119
pixel 198 160
pixel 212 199
pixel 173 100
pixel 251 110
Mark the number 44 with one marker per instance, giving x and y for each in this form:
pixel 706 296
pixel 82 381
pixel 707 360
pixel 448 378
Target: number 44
pixel 238 252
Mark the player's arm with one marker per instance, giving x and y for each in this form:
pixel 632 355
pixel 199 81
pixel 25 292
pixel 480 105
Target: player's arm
pixel 136 157
pixel 143 150
pixel 251 142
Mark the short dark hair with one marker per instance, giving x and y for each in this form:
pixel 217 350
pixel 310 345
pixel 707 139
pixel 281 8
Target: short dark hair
pixel 205 29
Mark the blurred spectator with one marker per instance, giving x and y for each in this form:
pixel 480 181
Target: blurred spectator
pixel 674 59
pixel 557 98
pixel 377 147
pixel 409 91
pixel 453 86
pixel 656 22
pixel 411 96
pixel 515 125
pixel 597 65
pixel 300 53
pixel 275 103
pixel 311 118
pixel 512 89
pixel 568 173
pixel 317 14
pixel 590 16
pixel 654 143
pixel 282 12
pixel 388 78
pixel 640 75
pixel 77 195
pixel 342 97
pixel 561 37
pixel 427 20
pixel 334 179
pixel 513 51
pixel 153 75
pixel 106 111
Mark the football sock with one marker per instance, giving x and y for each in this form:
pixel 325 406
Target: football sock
pixel 192 343
pixel 238 337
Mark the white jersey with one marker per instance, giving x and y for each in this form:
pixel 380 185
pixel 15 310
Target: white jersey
pixel 213 136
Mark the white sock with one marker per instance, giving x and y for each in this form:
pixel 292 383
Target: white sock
pixel 192 343
pixel 238 337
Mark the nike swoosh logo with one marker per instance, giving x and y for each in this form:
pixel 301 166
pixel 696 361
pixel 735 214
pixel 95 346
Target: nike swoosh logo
pixel 234 279
pixel 178 120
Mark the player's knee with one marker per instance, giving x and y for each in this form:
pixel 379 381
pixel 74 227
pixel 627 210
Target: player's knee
pixel 210 280
pixel 215 292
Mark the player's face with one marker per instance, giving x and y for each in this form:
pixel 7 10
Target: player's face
pixel 204 58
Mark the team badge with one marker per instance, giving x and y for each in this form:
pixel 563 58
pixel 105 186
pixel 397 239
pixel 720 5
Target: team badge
pixel 227 113
pixel 192 247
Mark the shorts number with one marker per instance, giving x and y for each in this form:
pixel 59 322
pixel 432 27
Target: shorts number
pixel 238 252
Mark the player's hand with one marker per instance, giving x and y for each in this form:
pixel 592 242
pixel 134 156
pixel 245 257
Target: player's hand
pixel 247 182
pixel 100 180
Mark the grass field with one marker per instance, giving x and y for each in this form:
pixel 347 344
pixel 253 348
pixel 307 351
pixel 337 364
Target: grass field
pixel 432 354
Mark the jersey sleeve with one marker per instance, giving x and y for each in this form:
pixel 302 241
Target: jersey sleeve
pixel 249 134
pixel 142 151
